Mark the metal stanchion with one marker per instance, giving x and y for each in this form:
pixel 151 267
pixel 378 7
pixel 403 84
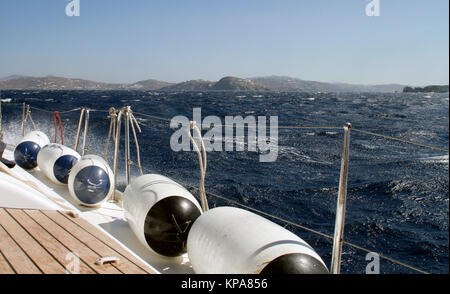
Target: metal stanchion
pixel 341 203
pixel 127 145
pixel 116 151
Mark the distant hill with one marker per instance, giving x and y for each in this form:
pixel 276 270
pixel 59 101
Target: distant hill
pixel 269 83
pixel 427 89
pixel 11 77
pixel 284 83
pixel 56 83
pixel 149 85
pixel 224 84
pixel 192 85
pixel 238 84
pixel 61 83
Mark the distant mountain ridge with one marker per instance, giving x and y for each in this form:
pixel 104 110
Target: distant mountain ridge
pixel 192 85
pixel 56 83
pixel 11 77
pixel 224 84
pixel 284 83
pixel 149 85
pixel 268 83
pixel 60 83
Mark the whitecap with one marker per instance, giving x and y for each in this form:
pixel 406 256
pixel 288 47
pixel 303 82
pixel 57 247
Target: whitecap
pixel 435 159
pixel 422 133
pixel 139 119
pixel 371 147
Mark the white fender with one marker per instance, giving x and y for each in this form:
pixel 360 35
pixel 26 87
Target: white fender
pixel 160 213
pixel 26 152
pixel 91 181
pixel 229 240
pixel 56 160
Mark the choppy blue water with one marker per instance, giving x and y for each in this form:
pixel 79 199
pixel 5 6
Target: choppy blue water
pixel 398 193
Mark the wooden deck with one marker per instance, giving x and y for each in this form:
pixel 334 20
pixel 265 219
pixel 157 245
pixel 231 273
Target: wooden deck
pixel 53 242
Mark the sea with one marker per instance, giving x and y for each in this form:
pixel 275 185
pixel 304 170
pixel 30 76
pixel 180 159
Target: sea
pixel 398 193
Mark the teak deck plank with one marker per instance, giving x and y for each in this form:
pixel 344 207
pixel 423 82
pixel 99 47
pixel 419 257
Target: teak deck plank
pixel 92 242
pixel 39 256
pixel 73 244
pixel 41 241
pixel 52 245
pixel 14 254
pixel 109 241
pixel 5 268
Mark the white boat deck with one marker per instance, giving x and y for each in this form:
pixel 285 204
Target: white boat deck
pixel 109 217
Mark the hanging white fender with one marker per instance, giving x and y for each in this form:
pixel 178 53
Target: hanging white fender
pixel 26 152
pixel 91 181
pixel 56 161
pixel 160 212
pixel 229 240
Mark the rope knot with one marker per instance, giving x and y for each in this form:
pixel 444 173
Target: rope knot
pixel 112 112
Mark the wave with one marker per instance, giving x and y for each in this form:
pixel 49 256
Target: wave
pixel 435 159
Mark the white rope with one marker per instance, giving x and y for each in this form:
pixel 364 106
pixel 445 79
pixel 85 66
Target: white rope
pixel 77 139
pixel 84 113
pixel 112 130
pixel 138 154
pixel 202 162
pixel 125 111
pixel 86 123
pixel 26 113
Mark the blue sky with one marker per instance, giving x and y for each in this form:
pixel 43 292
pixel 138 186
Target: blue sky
pixel 323 40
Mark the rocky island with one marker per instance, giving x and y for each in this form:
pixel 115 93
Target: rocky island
pixel 427 89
